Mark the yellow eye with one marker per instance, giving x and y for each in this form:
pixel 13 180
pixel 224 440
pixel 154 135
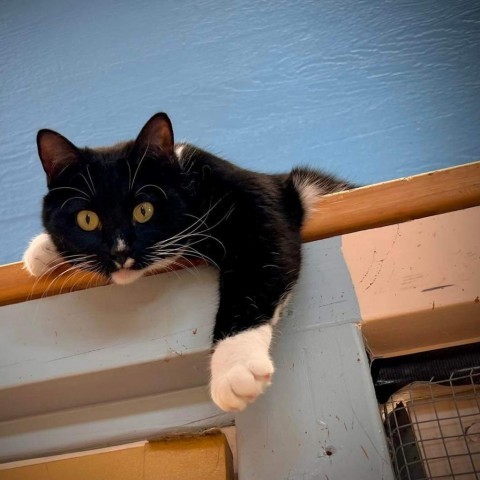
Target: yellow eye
pixel 88 220
pixel 143 212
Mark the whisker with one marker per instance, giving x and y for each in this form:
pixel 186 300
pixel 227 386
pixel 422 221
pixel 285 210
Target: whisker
pixel 190 252
pixel 49 270
pixel 91 181
pixel 85 273
pixel 70 276
pixel 73 198
pixel 74 270
pixel 139 165
pixel 193 225
pixel 56 279
pixel 154 186
pixel 192 269
pixel 88 185
pixel 87 196
pixel 129 175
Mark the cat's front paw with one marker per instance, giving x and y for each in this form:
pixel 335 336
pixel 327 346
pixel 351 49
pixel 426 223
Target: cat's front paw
pixel 40 256
pixel 241 368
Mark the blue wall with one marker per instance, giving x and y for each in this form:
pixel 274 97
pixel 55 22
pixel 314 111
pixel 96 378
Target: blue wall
pixel 372 90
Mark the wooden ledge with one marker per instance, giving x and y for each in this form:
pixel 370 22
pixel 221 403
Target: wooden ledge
pixel 368 207
pixel 395 201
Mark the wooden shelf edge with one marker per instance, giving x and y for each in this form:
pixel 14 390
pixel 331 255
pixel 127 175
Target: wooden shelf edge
pixel 340 213
pixel 17 285
pixel 396 201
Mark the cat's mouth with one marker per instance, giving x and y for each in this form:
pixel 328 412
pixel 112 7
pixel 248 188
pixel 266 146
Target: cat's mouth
pixel 126 274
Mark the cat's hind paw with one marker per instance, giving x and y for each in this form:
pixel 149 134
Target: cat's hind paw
pixel 241 368
pixel 40 256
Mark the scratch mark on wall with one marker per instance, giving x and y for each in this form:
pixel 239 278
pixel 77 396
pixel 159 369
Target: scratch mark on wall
pixel 332 303
pixel 369 267
pixel 397 234
pixel 364 451
pixel 440 287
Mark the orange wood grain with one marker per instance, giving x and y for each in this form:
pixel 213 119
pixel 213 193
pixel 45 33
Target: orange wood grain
pixel 16 285
pixel 396 201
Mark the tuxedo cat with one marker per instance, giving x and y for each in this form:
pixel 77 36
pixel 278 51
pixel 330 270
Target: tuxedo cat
pixel 141 205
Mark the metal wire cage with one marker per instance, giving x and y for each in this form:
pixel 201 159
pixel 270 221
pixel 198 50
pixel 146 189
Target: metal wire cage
pixel 433 428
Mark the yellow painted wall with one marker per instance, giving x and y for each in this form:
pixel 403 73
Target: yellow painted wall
pixel 205 457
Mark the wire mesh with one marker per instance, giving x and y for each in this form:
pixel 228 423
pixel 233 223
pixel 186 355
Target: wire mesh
pixel 433 428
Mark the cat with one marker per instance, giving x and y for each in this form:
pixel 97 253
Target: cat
pixel 129 209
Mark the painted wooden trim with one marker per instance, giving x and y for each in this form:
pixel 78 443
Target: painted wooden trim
pixel 201 457
pixel 377 205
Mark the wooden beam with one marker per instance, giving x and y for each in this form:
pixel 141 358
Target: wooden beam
pixel 201 457
pixel 16 285
pixel 396 201
pixel 368 207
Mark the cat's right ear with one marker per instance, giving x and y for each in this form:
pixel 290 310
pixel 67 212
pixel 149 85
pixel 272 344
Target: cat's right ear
pixel 55 152
pixel 157 134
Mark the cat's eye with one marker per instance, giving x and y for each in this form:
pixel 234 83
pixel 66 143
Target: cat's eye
pixel 143 212
pixel 88 220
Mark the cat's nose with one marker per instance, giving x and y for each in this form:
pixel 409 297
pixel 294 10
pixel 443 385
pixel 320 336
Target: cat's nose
pixel 121 258
pixel 120 254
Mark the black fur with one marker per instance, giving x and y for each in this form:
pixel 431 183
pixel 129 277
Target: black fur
pixel 249 222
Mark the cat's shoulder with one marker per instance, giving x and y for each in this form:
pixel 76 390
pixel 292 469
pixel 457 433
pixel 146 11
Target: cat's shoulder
pixel 187 154
pixel 191 158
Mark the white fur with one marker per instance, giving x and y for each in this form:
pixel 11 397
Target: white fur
pixel 179 150
pixel 309 195
pixel 241 368
pixel 129 262
pixel 310 191
pixel 278 311
pixel 121 245
pixel 41 255
pixel 124 276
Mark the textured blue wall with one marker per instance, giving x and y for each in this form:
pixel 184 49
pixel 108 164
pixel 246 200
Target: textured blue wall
pixel 372 90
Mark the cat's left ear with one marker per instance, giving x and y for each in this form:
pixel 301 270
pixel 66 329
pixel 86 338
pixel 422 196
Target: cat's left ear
pixel 55 152
pixel 157 134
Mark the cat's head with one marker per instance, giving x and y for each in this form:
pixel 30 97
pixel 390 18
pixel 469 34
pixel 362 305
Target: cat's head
pixel 120 211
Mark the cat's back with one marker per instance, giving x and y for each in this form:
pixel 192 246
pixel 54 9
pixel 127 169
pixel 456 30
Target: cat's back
pixel 284 190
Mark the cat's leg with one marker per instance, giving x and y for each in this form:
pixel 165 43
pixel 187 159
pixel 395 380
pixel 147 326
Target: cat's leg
pixel 241 368
pixel 41 255
pixel 241 365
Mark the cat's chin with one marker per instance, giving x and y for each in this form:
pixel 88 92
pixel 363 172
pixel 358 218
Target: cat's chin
pixel 125 276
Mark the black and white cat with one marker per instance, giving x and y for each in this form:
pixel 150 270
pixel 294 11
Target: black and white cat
pixel 126 210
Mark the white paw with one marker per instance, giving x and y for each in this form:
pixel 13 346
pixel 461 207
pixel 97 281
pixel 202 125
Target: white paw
pixel 241 368
pixel 41 255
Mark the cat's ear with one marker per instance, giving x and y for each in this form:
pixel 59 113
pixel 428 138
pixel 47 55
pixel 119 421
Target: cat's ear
pixel 157 134
pixel 55 152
